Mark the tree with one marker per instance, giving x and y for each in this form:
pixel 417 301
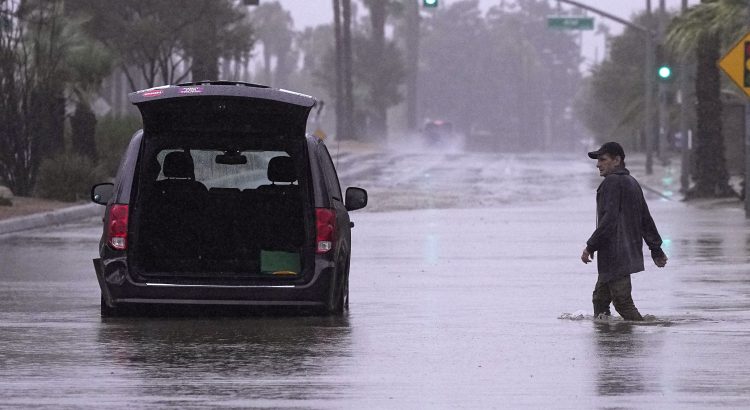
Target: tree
pixel 411 61
pixel 539 68
pixel 700 31
pixel 87 64
pixel 347 73
pixel 34 41
pixel 343 94
pixel 379 77
pixel 612 105
pixel 274 28
pixel 517 78
pixel 711 176
pixel 222 31
pixel 380 81
pixel 163 39
pixel 448 36
pixel 338 71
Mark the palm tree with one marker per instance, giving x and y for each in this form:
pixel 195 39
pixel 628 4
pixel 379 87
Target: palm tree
pixel 700 31
pixel 339 93
pixel 274 28
pixel 347 62
pixel 411 33
pixel 342 14
pixel 88 64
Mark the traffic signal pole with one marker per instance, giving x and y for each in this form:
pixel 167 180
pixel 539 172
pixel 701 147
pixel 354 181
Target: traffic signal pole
pixel 649 34
pixel 648 123
pixel 684 130
pixel 662 128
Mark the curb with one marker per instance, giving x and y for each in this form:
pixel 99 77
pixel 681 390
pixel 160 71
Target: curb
pixel 57 217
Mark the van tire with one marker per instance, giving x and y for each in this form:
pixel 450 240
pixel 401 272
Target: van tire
pixel 107 311
pixel 342 297
pixel 338 299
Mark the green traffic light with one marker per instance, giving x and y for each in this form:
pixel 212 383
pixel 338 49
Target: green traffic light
pixel 665 72
pixel 430 3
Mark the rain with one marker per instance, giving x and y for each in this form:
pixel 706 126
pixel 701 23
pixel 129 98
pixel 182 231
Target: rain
pixel 466 285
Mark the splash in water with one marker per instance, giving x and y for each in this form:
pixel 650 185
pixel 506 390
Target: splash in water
pixel 580 315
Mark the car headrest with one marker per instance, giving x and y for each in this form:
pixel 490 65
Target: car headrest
pixel 179 165
pixel 281 169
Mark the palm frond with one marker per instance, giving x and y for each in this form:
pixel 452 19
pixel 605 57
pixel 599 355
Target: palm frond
pixel 727 18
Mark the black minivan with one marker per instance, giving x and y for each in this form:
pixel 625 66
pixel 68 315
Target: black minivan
pixel 223 199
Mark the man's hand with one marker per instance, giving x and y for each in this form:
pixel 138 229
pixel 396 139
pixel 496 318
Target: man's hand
pixel 660 261
pixel 659 257
pixel 588 257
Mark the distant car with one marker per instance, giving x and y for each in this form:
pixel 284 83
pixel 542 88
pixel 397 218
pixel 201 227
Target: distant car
pixel 437 131
pixel 222 199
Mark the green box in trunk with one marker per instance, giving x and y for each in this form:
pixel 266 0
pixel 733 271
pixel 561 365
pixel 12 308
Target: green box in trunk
pixel 279 261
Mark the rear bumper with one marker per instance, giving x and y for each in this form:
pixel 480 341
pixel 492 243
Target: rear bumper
pixel 119 288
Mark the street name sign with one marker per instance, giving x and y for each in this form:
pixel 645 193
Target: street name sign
pixel 736 64
pixel 570 23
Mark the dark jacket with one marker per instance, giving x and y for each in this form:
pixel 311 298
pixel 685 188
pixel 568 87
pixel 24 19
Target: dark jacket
pixel 622 223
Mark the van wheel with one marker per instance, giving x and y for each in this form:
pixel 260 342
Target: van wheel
pixel 107 311
pixel 338 298
pixel 345 293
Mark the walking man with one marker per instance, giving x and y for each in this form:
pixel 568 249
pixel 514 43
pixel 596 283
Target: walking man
pixel 623 222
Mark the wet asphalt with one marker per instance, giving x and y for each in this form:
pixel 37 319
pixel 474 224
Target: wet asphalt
pixel 480 303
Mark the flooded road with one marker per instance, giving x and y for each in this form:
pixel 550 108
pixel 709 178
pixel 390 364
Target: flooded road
pixel 480 301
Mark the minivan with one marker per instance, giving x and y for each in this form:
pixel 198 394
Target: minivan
pixel 223 199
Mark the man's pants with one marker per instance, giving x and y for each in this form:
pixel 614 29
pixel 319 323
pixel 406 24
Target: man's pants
pixel 616 292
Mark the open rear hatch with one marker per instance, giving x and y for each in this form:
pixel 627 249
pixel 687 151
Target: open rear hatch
pixel 223 190
pixel 223 106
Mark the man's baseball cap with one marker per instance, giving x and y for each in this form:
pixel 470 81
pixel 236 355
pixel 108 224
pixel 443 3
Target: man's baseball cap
pixel 612 148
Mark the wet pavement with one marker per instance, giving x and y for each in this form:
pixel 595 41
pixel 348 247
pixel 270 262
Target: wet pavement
pixel 481 303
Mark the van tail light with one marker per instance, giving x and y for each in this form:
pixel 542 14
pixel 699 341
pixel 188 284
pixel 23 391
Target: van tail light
pixel 325 224
pixel 117 227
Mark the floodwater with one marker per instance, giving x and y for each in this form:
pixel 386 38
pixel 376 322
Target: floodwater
pixel 459 298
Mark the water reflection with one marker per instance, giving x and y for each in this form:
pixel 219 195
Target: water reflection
pixel 620 351
pixel 242 358
pixel 709 247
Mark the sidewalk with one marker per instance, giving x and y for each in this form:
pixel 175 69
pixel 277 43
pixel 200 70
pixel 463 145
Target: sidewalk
pixel 51 217
pixel 665 181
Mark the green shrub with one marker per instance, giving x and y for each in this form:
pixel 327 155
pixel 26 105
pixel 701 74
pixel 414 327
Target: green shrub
pixel 112 137
pixel 5 201
pixel 67 177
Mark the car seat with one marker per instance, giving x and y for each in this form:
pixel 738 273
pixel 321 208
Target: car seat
pixel 282 223
pixel 175 221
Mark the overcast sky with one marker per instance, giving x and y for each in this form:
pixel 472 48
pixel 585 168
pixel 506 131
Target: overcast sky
pixel 314 12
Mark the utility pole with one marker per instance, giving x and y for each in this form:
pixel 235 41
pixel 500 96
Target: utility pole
pixel 648 127
pixel 684 131
pixel 663 126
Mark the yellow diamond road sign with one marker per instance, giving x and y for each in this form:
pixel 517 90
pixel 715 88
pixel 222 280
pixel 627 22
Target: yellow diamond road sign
pixel 736 64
